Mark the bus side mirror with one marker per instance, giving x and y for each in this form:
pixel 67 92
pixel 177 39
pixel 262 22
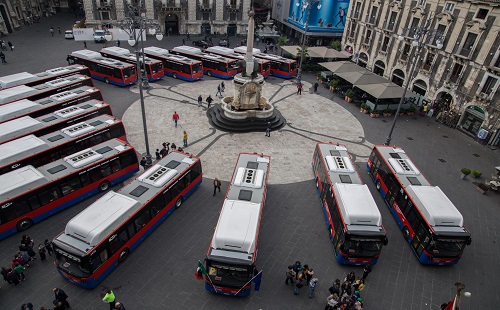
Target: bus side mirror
pixel 469 241
pixel 386 241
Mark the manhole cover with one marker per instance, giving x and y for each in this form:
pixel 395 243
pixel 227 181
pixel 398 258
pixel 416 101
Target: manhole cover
pixel 442 160
pixel 409 138
pixel 477 155
pixel 446 137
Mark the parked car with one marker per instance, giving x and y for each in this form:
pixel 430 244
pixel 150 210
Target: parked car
pixel 201 43
pixel 68 34
pixel 224 43
pixel 99 36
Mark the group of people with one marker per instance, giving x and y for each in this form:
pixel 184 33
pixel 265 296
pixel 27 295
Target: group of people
pixel 23 258
pixel 347 295
pixel 220 89
pixel 300 276
pixel 4 47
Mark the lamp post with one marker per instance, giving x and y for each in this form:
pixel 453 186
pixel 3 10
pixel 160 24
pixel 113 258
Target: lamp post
pixel 135 26
pixel 419 38
pixel 305 6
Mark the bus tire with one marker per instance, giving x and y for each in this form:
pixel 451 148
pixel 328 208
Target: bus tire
pixel 178 203
pixel 378 185
pixel 209 73
pixel 104 186
pixel 24 224
pixel 123 255
pixel 174 75
pixel 406 233
pixel 106 80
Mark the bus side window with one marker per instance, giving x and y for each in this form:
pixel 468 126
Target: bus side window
pixel 167 198
pixel 130 230
pixel 116 244
pixel 127 159
pixel 115 165
pixel 17 209
pixel 157 205
pixel 70 186
pixel 95 175
pixel 49 195
pixel 142 219
pixel 85 179
pixel 105 170
pixel 35 204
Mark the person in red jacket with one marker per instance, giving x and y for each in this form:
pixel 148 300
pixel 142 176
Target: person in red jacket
pixel 175 118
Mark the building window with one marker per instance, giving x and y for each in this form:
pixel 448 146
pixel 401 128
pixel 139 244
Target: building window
pixel 496 59
pixel 392 21
pixel 356 11
pixel 406 52
pixel 233 3
pixel 455 73
pixel 206 3
pixel 368 36
pixel 466 49
pixel 385 43
pixel 353 30
pixel 481 14
pixel 489 85
pixel 440 32
pixel 232 16
pixel 448 7
pixel 105 15
pixel 373 16
pixel 421 2
pixel 414 26
pixel 428 61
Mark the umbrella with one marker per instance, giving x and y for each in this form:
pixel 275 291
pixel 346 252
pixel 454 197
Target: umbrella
pixel 361 77
pixel 385 90
pixel 316 52
pixel 341 66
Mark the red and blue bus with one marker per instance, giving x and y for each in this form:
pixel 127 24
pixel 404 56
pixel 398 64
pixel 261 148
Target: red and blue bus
pixel 39 151
pixel 232 254
pixel 100 237
pixel 352 217
pixel 154 68
pixel 49 104
pixel 213 65
pixel 110 71
pixel 29 195
pixel 48 123
pixel 177 66
pixel 28 79
pixel 44 90
pixel 280 66
pixel 264 64
pixel 428 220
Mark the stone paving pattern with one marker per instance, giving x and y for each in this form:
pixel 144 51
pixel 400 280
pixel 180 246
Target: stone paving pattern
pixel 159 274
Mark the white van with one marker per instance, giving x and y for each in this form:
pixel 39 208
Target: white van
pixel 99 36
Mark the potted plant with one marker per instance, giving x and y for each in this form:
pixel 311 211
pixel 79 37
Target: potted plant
pixel 375 113
pixel 333 85
pixel 364 108
pixel 402 111
pixel 465 173
pixel 476 173
pixel 410 111
pixel 349 94
pixel 482 188
pixel 387 112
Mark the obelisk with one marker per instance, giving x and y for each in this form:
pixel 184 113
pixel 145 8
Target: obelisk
pixel 250 36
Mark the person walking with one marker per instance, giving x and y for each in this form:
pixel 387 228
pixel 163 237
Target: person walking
pixel 2 56
pixel 188 37
pixel 309 274
pixel 175 118
pixel 183 42
pixel 84 44
pixel 366 271
pixel 218 91
pixel 312 285
pixel 268 129
pixel 298 285
pixel 51 30
pixel 42 251
pixel 20 272
pixel 316 87
pixel 119 306
pixel 157 154
pixel 185 138
pixel 297 267
pixel 12 277
pixel 290 275
pixel 10 45
pixel 200 100
pixel 59 29
pixel 109 298
pixel 209 101
pixel 60 296
pixel 299 89
pixel 143 162
pixel 48 246
pixel 217 185
pixel 222 86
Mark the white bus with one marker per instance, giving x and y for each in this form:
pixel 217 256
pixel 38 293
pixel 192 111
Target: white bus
pixel 28 79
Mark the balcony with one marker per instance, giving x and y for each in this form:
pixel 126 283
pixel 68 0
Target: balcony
pixel 205 7
pixel 104 5
pixel 232 8
pixel 464 52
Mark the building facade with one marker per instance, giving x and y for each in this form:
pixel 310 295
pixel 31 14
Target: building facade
pixel 176 16
pixel 464 75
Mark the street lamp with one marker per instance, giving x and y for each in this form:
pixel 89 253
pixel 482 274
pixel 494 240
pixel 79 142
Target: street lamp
pixel 135 26
pixel 305 6
pixel 419 38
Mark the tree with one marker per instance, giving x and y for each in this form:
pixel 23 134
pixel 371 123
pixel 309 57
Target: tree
pixel 282 41
pixel 336 45
pixel 302 54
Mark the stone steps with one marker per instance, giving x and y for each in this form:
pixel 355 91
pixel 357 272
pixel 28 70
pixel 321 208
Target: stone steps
pixel 218 120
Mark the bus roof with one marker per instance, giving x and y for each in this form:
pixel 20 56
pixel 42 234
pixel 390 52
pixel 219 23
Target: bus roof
pixel 435 206
pixel 96 56
pixel 16 79
pixel 237 229
pixel 7 111
pixel 198 52
pixel 338 164
pixel 101 218
pixel 18 127
pixel 357 206
pixel 28 144
pixel 15 93
pixel 231 53
pixel 11 187
pixel 157 51
pixel 243 50
pixel 125 53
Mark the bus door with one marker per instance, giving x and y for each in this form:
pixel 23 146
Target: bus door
pixel 375 167
pixel 339 239
pixel 393 189
pixel 420 240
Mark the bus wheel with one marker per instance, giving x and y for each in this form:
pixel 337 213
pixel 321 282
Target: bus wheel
pixel 24 224
pixel 104 186
pixel 378 184
pixel 174 75
pixel 123 255
pixel 406 233
pixel 178 203
pixel 209 73
pixel 106 80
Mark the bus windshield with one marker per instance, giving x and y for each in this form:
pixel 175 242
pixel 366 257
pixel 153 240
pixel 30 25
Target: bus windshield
pixel 127 72
pixel 229 275
pixel 196 68
pixel 447 247
pixel 157 67
pixel 265 66
pixel 293 66
pixel 71 263
pixel 362 247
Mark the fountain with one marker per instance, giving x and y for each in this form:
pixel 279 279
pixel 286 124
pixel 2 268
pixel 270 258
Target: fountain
pixel 246 110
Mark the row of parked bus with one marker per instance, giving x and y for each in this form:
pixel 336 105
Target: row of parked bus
pixel 116 65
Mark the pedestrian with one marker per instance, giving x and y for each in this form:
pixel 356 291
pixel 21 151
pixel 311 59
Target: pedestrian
pixel 28 306
pixel 312 286
pixel 118 43
pixel 188 37
pixel 335 288
pixel 84 44
pixel 298 286
pixel 51 30
pixel 217 185
pixel 268 129
pixel 59 29
pixel 175 118
pixel 2 56
pixel 218 91
pixel 200 100
pixel 143 162
pixel 163 152
pixel 358 305
pixel 185 138
pixel 158 155
pixel 299 89
pixel 331 302
pixel 351 277
pixel 4 273
pixel 297 267
pixel 174 147
pixel 119 306
pixel 309 274
pixel 316 87
pixel 109 298
pixel 12 277
pixel 42 252
pixel 183 42
pixel 290 275
pixel 48 246
pixel 209 101
pixel 20 272
pixel 60 296
pixel 366 271
pixel 359 285
pixel 222 86
pixel 10 45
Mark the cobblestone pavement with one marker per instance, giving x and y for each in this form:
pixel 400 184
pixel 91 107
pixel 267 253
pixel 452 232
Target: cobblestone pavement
pixel 159 274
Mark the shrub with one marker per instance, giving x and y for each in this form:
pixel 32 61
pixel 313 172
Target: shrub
pixel 350 93
pixel 411 109
pixel 364 106
pixel 334 83
pixel 476 173
pixel 465 171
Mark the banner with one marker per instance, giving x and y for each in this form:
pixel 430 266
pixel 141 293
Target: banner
pixel 83 34
pixel 329 17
